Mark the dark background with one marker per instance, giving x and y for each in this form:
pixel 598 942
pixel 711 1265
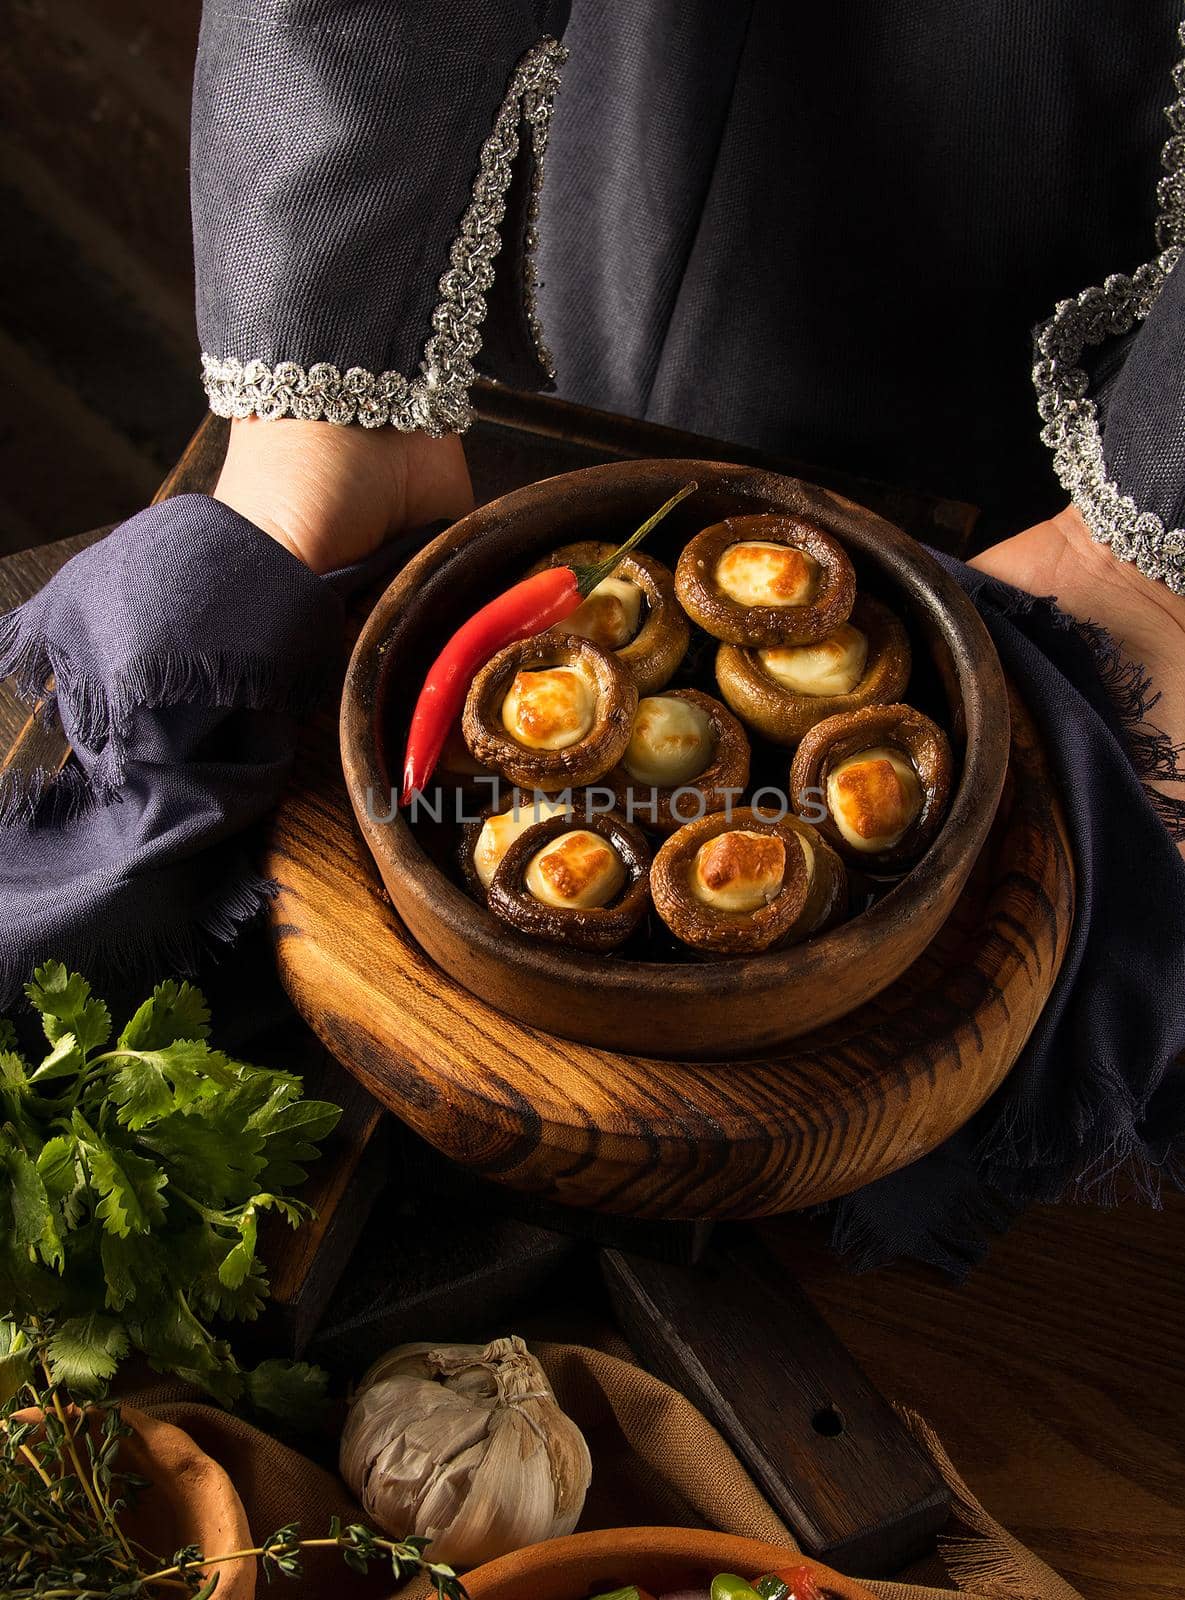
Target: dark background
pixel 100 387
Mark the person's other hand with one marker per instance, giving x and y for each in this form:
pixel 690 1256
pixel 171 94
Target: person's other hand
pixel 331 494
pixel 1147 620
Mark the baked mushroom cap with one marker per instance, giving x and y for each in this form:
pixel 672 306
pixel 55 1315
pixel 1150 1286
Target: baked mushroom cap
pixel 582 881
pixel 549 712
pixel 633 613
pixel 485 839
pixel 766 580
pixel 876 782
pixel 784 690
pixel 747 880
pixel 688 757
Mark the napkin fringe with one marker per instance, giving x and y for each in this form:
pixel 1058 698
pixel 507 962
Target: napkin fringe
pixel 47 795
pixel 866 1239
pixel 985 1560
pixel 1128 687
pixel 100 717
pixel 135 950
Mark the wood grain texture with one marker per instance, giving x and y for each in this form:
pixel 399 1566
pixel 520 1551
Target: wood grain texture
pixel 714 1007
pixel 1055 1377
pixel 660 1138
pixel 828 1452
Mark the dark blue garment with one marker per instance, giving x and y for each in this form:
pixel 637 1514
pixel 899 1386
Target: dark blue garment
pixel 822 231
pixel 186 645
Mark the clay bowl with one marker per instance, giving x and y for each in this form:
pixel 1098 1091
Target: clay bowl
pixel 672 1007
pixel 190 1499
pixel 657 1558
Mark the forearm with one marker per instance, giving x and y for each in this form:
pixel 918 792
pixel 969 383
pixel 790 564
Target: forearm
pixel 331 495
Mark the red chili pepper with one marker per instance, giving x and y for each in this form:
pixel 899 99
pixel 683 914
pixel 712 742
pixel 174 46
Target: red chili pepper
pixel 530 607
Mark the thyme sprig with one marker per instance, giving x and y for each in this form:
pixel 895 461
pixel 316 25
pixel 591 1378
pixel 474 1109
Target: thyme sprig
pixel 62 1496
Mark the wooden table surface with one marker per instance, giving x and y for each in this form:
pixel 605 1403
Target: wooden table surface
pixel 1056 1374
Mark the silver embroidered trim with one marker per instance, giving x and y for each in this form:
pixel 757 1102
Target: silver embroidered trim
pixel 1071 419
pixel 435 402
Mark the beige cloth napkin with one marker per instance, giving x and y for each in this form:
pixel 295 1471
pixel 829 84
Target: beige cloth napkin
pixel 656 1462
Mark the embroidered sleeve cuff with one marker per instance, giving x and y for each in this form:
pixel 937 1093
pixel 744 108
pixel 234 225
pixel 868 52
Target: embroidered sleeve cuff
pixel 1076 428
pixel 436 399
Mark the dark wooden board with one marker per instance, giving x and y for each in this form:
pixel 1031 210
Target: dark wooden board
pixel 741 1340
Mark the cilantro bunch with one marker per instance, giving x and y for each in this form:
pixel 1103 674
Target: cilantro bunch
pixel 134 1176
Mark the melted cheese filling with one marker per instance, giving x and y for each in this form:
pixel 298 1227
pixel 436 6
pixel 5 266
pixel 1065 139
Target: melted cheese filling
pixel 671 742
pixel 873 797
pixel 739 870
pixel 757 573
pixel 549 708
pixel 576 872
pixel 610 615
pixel 499 833
pixel 833 666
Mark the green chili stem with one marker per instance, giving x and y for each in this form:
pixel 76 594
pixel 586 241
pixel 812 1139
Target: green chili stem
pixel 587 578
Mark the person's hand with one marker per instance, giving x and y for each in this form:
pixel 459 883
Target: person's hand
pixel 1147 620
pixel 331 494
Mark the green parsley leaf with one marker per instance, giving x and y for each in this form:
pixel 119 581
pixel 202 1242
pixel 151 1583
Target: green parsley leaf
pixel 33 1220
pixel 57 1162
pixel 129 1184
pixel 175 1011
pixel 177 1342
pixel 135 1265
pixel 65 1060
pixel 216 1163
pixel 238 1261
pixel 85 1351
pixel 202 1251
pixel 64 1001
pixel 25 1285
pixel 13 1072
pixel 16 1360
pixel 293 1131
pixel 16 1370
pixel 63 1175
pixel 291 1391
pixel 151 1084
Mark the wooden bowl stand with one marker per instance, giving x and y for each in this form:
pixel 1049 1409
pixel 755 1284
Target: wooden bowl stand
pixel 667 1139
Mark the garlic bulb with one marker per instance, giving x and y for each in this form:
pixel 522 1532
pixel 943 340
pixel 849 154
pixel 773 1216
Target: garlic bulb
pixel 465 1445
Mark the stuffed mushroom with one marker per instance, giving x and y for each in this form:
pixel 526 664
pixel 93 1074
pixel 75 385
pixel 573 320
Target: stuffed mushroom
pixel 579 881
pixel 759 581
pixel 747 880
pixel 687 757
pixel 783 690
pixel 878 780
pixel 634 614
pixel 550 712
